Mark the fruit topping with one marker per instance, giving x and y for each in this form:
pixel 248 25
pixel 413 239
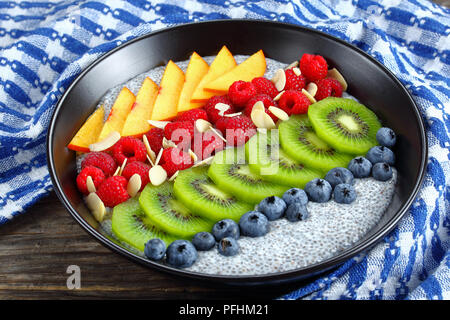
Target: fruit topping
pixel 360 167
pixel 203 241
pixel 155 249
pixel 129 148
pixel 215 113
pixel 328 88
pixel 273 207
pixel 296 212
pixel 180 132
pixel 174 159
pixel 240 92
pixel 344 193
pixel 267 103
pixel 380 154
pixel 181 254
pixel 339 175
pixel 382 171
pixel 318 190
pixel 254 224
pixel 225 228
pixel 294 81
pixel 264 86
pixel 193 115
pixel 386 137
pixel 228 246
pixel 295 195
pixel 237 130
pixel 294 102
pixel 113 191
pixel 313 67
pixel 101 160
pixel 97 176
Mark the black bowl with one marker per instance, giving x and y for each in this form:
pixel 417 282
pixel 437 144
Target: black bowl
pixel 368 80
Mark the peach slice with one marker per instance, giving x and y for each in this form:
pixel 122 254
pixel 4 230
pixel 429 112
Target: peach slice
pixel 118 114
pixel 254 66
pixel 166 102
pixel 89 132
pixel 136 123
pixel 223 63
pixel 196 70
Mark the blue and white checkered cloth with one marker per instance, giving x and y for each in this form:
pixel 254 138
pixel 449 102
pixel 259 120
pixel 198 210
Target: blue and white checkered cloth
pixel 44 45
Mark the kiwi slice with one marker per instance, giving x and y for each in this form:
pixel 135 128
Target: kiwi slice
pixel 130 225
pixel 300 141
pixel 266 158
pixel 201 195
pixel 169 214
pixel 346 125
pixel 230 172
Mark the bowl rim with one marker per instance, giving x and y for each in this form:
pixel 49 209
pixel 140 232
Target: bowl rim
pixel 259 279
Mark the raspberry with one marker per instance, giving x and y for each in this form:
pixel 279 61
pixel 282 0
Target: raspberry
pixel 240 92
pixel 101 160
pixel 293 81
pixel 137 167
pixel 213 113
pixel 267 101
pixel 294 102
pixel 96 174
pixel 180 132
pixel 237 130
pixel 193 115
pixel 265 86
pixel 207 144
pixel 313 67
pixel 328 88
pixel 113 191
pixel 174 159
pixel 155 137
pixel 129 148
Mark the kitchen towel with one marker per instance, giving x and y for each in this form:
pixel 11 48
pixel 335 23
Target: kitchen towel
pixel 44 45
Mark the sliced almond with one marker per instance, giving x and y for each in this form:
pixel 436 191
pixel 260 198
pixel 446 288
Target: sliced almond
pixel 297 71
pixel 203 162
pixel 268 121
pixel 157 175
pixel 292 65
pixel 117 172
pixel 152 162
pixel 279 113
pixel 106 143
pixel 134 185
pixel 150 152
pixel 259 105
pixel 257 117
pixel 335 74
pixel 217 133
pixel 231 115
pixel 312 88
pixel 193 155
pixel 278 96
pixel 168 143
pixel 279 79
pixel 124 163
pixel 96 205
pixel 158 124
pixel 90 184
pixel 222 107
pixel 158 157
pixel 202 125
pixel 174 175
pixel 309 96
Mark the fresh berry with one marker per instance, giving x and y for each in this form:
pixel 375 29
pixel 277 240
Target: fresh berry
pixel 293 102
pixel 293 81
pixel 228 247
pixel 339 175
pixel 213 113
pixel 193 115
pixel 240 92
pixel 129 148
pixel 344 193
pixel 113 191
pixel 101 160
pixel 265 86
pixel 318 190
pixel 266 100
pixel 296 212
pixel 236 130
pixel 360 167
pixel 180 132
pixel 95 173
pixel 382 171
pixel 386 137
pixel 313 67
pixel 181 254
pixel 225 228
pixel 295 195
pixel 328 88
pixel 207 144
pixel 140 168
pixel 380 154
pixel 155 138
pixel 254 224
pixel 203 241
pixel 155 249
pixel 273 207
pixel 174 159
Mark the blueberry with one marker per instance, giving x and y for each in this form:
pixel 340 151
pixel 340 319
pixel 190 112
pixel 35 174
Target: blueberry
pixel 254 224
pixel 296 212
pixel 382 171
pixel 273 207
pixel 318 190
pixel 181 254
pixel 295 195
pixel 155 249
pixel 360 167
pixel 339 175
pixel 380 154
pixel 386 137
pixel 225 228
pixel 228 247
pixel 203 241
pixel 344 193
